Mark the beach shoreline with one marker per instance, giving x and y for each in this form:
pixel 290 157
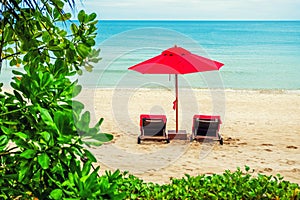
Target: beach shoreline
pixel 260 128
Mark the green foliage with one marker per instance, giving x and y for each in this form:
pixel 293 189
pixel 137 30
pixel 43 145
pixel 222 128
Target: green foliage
pixel 33 33
pixel 42 129
pixel 229 185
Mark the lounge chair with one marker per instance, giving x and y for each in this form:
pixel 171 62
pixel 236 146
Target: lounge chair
pixel 206 127
pixel 153 127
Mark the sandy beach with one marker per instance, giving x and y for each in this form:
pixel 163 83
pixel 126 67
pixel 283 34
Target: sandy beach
pixel 261 129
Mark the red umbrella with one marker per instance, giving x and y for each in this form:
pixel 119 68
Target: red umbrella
pixel 176 60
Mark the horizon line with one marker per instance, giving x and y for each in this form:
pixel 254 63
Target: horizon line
pixel 200 19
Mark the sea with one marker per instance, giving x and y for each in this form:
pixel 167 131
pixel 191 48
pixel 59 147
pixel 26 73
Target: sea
pixel 257 55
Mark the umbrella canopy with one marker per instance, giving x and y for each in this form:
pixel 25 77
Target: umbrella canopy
pixel 176 60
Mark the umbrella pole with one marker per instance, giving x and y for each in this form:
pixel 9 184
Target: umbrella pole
pixel 176 89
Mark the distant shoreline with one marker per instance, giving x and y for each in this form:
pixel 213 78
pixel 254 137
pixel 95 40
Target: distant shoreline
pixel 205 20
pixel 226 90
pixel 240 90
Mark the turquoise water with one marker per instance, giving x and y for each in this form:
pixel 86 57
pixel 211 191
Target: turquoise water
pixel 256 54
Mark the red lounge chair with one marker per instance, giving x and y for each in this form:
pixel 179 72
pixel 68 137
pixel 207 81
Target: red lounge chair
pixel 206 127
pixel 153 127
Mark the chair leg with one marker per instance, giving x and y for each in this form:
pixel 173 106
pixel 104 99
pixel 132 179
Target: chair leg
pixel 191 138
pixel 221 141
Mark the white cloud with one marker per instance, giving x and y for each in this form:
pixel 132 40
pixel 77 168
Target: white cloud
pixel 193 9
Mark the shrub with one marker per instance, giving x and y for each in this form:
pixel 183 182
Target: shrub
pixel 229 185
pixel 41 126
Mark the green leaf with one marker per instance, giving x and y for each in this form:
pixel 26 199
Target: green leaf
pixel 13 62
pixel 8 33
pixel 11 122
pixel 65 139
pixel 247 168
pixel 71 177
pixel 94 60
pixel 90 156
pixel 3 142
pixel 79 72
pixel 21 135
pixel 18 96
pixel 22 173
pixel 74 28
pixel 55 48
pixel 77 106
pixel 47 78
pixel 46 117
pixel 46 136
pixel 93 143
pixel 56 194
pixel 95 53
pixel 46 37
pixel 9 50
pixel 63 33
pixel 98 124
pixel 6 130
pixel 70 54
pixel 76 90
pixel 65 16
pixel 29 153
pixel 44 160
pixel 59 4
pixel 85 118
pixel 37 35
pixel 15 72
pixel 103 137
pixel 91 181
pixel 86 168
pixel 81 16
pixel 90 42
pixel 19 60
pixel 89 67
pixel 56 13
pixel 83 50
pixel 92 16
pixel 62 121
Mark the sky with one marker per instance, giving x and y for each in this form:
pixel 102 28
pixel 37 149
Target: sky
pixel 193 9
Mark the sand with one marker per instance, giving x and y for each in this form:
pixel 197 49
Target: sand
pixel 261 129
